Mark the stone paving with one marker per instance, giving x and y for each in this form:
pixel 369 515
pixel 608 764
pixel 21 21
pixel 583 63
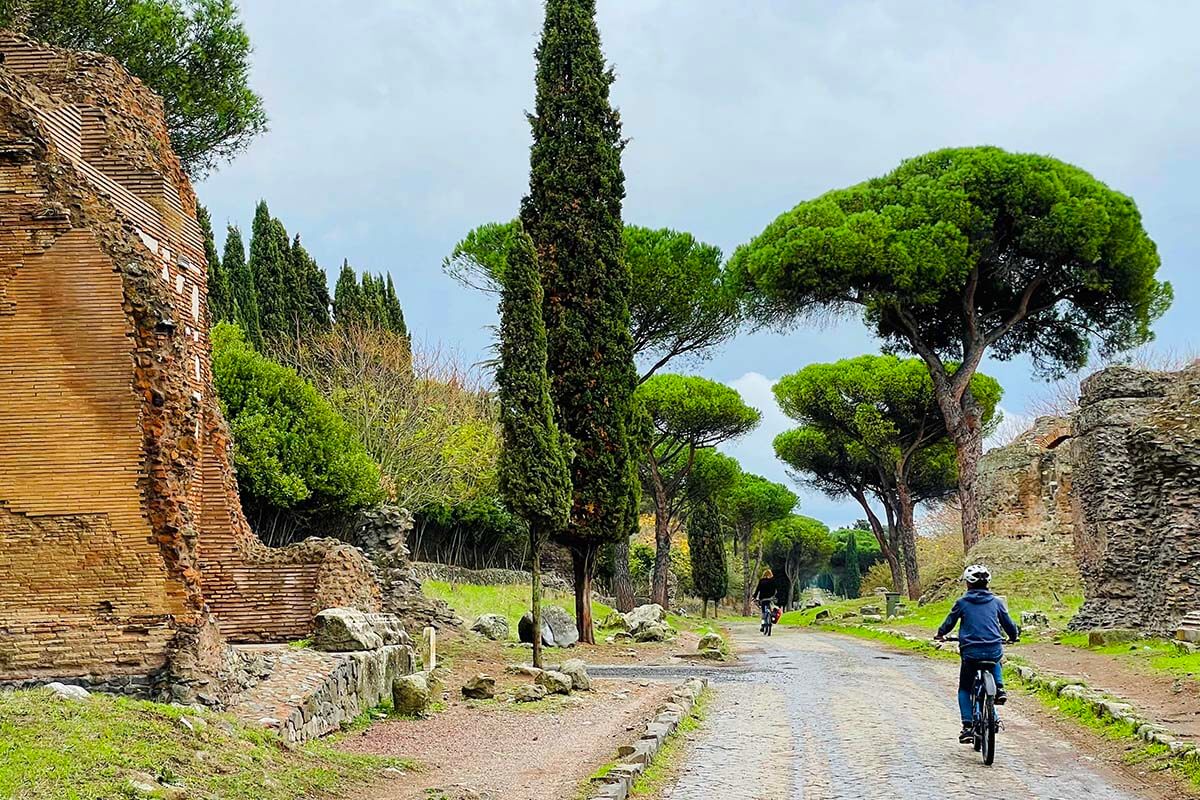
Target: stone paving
pixel 821 717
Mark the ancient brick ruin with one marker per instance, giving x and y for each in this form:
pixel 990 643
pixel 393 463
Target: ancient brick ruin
pixel 1118 485
pixel 1137 478
pixel 1025 486
pixel 121 534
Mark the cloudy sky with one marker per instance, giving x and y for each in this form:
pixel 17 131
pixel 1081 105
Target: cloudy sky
pixel 398 125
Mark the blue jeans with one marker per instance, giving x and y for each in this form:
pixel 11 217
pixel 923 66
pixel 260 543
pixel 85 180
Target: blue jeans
pixel 767 611
pixel 966 685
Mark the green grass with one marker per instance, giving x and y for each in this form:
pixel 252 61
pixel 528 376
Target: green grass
pixel 1159 655
pixel 1083 713
pixel 511 600
pixel 53 749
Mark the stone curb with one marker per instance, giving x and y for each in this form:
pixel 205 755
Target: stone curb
pixel 632 760
pixel 1102 705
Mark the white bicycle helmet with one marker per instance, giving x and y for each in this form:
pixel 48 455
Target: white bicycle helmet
pixel 976 573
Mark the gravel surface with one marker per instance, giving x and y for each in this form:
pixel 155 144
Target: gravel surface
pixel 824 717
pixel 504 752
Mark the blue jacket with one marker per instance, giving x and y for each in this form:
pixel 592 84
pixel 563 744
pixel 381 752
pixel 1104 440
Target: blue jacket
pixel 982 616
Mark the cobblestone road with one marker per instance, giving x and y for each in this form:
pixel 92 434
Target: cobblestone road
pixel 823 717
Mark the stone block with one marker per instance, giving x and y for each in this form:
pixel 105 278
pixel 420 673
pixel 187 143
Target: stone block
pixel 410 695
pixel 1106 636
pixel 429 649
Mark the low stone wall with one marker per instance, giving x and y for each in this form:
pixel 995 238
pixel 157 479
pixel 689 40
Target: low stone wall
pixel 427 570
pixel 310 693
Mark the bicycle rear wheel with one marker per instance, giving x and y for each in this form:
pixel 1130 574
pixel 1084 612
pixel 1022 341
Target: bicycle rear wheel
pixel 989 732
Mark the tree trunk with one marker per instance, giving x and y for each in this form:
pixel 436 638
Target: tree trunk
pixel 662 541
pixel 703 608
pixel 748 582
pixel 536 602
pixel 622 580
pixel 885 544
pixel 969 449
pixel 964 422
pixel 908 537
pixel 583 559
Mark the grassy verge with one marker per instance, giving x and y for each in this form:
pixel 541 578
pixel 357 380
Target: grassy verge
pixel 651 783
pixel 1080 711
pixel 511 600
pixel 1158 655
pixel 54 749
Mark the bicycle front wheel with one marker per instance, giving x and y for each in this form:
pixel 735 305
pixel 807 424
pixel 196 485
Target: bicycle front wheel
pixel 989 732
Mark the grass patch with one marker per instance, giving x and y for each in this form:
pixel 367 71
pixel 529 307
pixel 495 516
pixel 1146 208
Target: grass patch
pixel 1158 655
pixel 1155 756
pixel 511 600
pixel 53 749
pixel 665 763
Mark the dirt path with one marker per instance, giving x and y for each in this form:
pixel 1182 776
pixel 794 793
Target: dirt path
pixel 826 717
pixel 505 752
pixel 1174 702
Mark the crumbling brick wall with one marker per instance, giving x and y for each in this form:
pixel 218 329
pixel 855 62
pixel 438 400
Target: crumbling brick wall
pixel 1137 483
pixel 1024 487
pixel 120 527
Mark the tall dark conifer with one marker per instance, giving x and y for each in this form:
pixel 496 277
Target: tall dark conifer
pixel 220 290
pixel 710 576
pixel 312 290
pixel 573 215
pixel 534 477
pixel 243 285
pixel 272 273
pixel 347 297
pixel 394 309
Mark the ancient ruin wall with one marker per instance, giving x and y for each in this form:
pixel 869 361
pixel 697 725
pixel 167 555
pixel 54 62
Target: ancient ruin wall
pixel 1025 487
pixel 120 527
pixel 1137 483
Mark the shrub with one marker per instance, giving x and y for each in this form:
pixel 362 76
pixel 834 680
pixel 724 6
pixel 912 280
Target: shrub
pixel 292 451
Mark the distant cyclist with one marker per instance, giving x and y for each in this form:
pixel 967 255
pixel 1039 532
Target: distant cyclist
pixel 764 595
pixel 982 615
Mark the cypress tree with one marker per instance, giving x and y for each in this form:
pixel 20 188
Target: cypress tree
pixel 272 273
pixel 710 578
pixel 395 311
pixel 242 284
pixel 573 214
pixel 220 291
pixel 533 473
pixel 312 289
pixel 347 297
pixel 851 571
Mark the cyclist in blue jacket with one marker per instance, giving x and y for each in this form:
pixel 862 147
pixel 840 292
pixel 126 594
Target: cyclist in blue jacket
pixel 981 616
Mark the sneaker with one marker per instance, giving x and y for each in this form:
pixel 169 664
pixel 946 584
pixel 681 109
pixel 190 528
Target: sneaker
pixel 1001 696
pixel 966 735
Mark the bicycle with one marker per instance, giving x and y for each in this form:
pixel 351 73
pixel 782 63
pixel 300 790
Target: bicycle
pixel 984 722
pixel 768 616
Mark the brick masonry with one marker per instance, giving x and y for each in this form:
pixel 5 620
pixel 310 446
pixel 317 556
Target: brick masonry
pixel 120 527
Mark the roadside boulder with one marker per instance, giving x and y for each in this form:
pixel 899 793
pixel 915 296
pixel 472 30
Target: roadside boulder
pixel 340 630
pixel 652 632
pixel 389 628
pixel 866 610
pixel 576 670
pixel 642 616
pixel 1103 636
pixel 822 614
pixel 411 695
pixel 558 627
pixel 528 693
pixel 65 691
pixel 615 620
pixel 1034 619
pixel 480 687
pixel 555 682
pixel 711 641
pixel 493 626
pixel 712 654
pixel 872 618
